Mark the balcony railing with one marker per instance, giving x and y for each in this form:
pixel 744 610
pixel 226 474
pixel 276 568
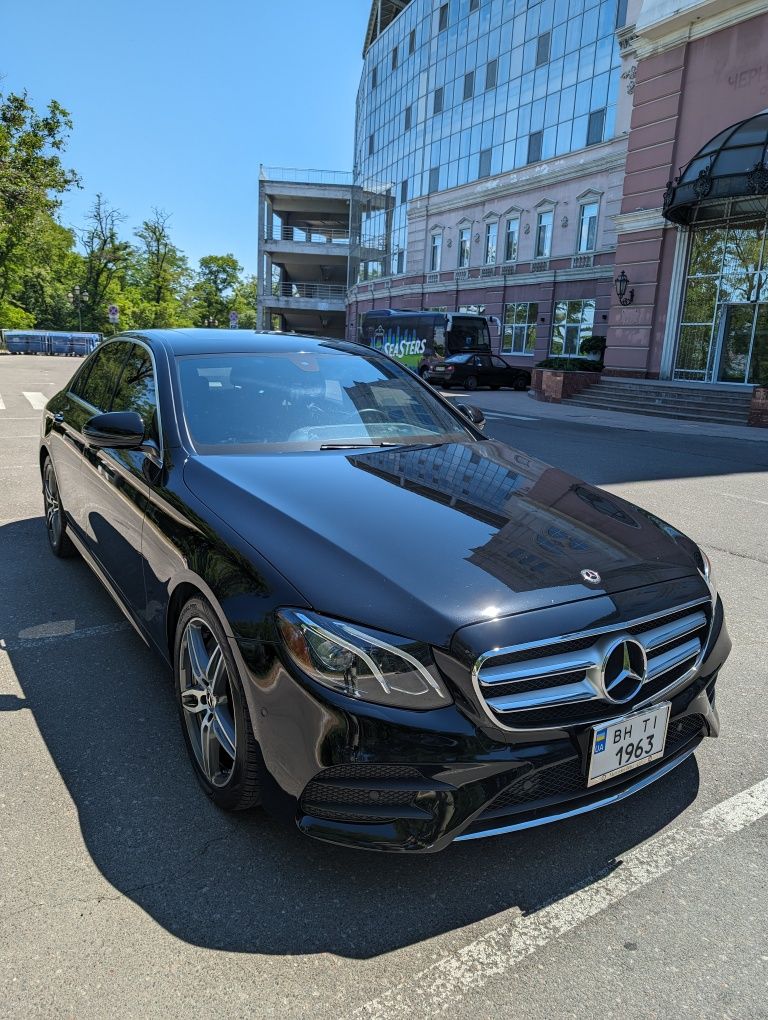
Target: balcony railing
pixel 297 175
pixel 582 261
pixel 314 291
pixel 299 235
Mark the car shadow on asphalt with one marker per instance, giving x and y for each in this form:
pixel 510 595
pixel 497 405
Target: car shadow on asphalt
pixel 245 883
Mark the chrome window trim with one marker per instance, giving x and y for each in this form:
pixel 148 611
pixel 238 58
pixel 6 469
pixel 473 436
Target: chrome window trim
pixel 617 628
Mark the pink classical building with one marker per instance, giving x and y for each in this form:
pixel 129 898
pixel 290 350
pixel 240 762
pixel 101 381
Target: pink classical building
pixel 692 225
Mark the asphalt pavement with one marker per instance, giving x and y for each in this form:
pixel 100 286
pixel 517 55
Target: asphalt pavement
pixel 124 893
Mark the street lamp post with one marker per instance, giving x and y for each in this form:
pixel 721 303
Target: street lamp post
pixel 76 298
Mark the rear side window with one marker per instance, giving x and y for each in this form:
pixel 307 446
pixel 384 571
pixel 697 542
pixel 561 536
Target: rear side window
pixel 136 388
pixel 98 386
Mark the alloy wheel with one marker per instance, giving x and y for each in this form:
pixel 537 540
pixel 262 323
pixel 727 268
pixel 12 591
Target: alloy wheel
pixel 207 702
pixel 52 505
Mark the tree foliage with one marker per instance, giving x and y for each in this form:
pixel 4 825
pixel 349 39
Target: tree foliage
pixel 46 269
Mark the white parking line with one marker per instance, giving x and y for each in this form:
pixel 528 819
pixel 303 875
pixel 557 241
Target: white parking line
pixel 747 499
pixel 15 645
pixel 37 400
pixel 2 405
pixel 501 415
pixel 434 991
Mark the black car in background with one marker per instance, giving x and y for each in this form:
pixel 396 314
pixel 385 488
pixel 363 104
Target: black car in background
pixel 472 370
pixel 383 626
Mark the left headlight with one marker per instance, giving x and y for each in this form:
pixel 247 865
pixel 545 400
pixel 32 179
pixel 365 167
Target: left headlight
pixel 361 663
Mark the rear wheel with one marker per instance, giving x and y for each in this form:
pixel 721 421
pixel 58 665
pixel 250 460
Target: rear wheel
pixel 470 383
pixel 55 522
pixel 521 383
pixel 214 714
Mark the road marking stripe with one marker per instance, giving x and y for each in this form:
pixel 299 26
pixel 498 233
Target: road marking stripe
pixel 747 499
pixel 17 645
pixel 37 400
pixel 435 990
pixel 503 414
pixel 2 405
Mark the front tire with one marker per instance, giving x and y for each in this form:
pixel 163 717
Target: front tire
pixel 55 519
pixel 470 383
pixel 214 714
pixel 521 383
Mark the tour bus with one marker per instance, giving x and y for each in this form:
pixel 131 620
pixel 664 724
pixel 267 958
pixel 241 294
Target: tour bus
pixel 420 339
pixel 40 341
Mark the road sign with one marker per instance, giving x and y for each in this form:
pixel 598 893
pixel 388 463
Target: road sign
pixel 234 318
pixel 114 313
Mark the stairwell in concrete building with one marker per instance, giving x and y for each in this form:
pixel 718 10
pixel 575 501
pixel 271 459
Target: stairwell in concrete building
pixel 728 405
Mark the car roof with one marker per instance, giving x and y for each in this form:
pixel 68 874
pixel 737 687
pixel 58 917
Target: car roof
pixel 179 342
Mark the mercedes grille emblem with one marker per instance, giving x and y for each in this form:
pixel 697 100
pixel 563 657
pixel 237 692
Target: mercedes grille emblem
pixel 624 670
pixel 591 576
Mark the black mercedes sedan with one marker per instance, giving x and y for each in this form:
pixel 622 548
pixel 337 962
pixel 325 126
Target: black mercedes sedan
pixel 472 370
pixel 382 625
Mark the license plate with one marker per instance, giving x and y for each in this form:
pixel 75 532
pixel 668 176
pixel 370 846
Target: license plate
pixel 628 743
pixel 439 368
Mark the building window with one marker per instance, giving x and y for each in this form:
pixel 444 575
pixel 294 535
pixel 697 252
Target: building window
pixel 542 48
pixel 621 14
pixel 544 234
pixel 469 84
pixel 465 240
pixel 436 253
pixel 512 239
pixel 437 101
pixel 412 41
pixel 434 179
pixel 394 59
pixel 596 127
pixel 572 326
pixel 520 327
pixel 491 74
pixel 408 117
pixel 534 146
pixel 371 145
pixel 442 18
pixel 491 240
pixel 473 5
pixel 400 261
pixel 374 77
pixel 404 192
pixel 588 226
pixel 484 166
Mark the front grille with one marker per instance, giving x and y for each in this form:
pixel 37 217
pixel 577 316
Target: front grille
pixel 558 683
pixel 566 779
pixel 366 793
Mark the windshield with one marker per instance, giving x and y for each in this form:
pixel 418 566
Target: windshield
pixel 278 402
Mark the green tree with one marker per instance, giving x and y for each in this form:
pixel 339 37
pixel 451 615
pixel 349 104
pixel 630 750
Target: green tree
pixel 214 291
pixel 32 181
pixel 162 275
pixel 106 264
pixel 245 298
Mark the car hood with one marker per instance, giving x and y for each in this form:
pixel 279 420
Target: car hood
pixel 424 540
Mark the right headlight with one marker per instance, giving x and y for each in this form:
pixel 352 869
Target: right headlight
pixel 361 663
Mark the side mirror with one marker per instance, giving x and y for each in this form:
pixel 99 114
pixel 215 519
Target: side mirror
pixel 122 430
pixel 474 414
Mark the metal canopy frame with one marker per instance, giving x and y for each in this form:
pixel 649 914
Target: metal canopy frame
pixel 733 164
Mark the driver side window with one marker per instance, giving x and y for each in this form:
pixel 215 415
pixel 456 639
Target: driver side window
pixel 136 389
pixel 97 388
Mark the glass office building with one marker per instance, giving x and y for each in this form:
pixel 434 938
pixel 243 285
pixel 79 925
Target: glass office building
pixel 459 92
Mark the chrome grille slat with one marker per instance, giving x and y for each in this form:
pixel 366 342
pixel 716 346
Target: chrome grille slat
pixel 548 665
pixel 565 695
pixel 660 664
pixel 673 640
pixel 660 636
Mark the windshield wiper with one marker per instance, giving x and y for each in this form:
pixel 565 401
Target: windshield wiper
pixel 357 446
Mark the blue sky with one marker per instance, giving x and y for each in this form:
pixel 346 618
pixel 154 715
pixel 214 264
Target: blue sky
pixel 175 104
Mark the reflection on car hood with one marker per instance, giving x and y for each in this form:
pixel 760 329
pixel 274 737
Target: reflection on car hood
pixel 424 540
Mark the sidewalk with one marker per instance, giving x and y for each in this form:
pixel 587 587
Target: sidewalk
pixel 523 405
